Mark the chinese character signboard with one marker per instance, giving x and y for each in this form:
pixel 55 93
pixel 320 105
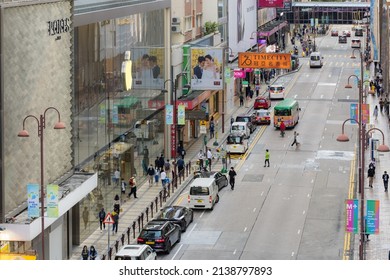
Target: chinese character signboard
pixel 173 141
pixel 270 3
pixel 352 215
pixel 264 60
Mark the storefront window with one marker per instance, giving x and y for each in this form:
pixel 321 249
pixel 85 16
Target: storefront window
pixel 117 126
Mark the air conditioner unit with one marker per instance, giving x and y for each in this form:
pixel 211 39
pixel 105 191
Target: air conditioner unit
pixel 175 29
pixel 175 20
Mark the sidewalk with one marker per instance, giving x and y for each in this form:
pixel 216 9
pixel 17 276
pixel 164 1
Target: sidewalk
pixel 379 245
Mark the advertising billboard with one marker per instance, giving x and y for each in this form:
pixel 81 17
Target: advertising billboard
pixel 206 68
pixel 242 25
pixel 270 3
pixel 148 70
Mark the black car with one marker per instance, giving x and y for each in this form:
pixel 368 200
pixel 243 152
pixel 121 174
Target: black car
pixel 248 119
pixel 160 235
pixel 178 215
pixel 220 178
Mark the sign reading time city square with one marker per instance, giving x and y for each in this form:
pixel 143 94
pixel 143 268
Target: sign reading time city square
pixel 264 60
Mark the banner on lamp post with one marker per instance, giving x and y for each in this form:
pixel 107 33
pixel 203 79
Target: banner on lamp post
pixel 372 217
pixel 352 215
pixel 168 114
pixel 33 200
pixel 181 115
pixel 52 201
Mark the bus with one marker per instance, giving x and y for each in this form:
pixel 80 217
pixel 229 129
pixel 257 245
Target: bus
pixel 356 43
pixel 288 112
pixel 359 31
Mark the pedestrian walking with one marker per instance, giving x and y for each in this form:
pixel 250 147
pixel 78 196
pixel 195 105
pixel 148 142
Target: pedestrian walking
pixel 117 176
pixel 92 253
pixel 241 100
pixel 385 178
pixel 370 175
pixel 85 253
pixel 133 187
pixel 209 158
pixel 232 177
pixel 116 203
pixel 102 215
pixel 295 142
pixel 212 128
pixel 201 159
pixel 266 161
pixel 115 218
pixel 180 166
pixel 375 114
pixel 181 151
pixel 163 176
pixel 123 187
pixel 381 104
pixel 386 103
pixel 151 172
pixel 161 161
pixel 167 167
pixel 157 175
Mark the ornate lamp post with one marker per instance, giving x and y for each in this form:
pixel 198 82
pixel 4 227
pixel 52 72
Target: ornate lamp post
pixel 24 133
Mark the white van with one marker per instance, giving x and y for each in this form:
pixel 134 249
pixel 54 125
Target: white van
pixel 241 129
pixel 136 252
pixel 316 59
pixel 203 193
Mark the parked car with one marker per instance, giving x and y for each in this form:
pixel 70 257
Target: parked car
pixel 248 119
pixel 160 235
pixel 334 33
pixel 136 252
pixel 178 215
pixel 220 178
pixel 262 102
pixel 262 117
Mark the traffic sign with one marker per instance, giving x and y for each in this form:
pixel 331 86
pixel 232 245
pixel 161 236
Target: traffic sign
pixel 108 219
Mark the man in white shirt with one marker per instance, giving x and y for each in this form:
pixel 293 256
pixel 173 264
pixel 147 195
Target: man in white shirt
pixel 117 176
pixel 163 176
pixel 200 158
pixel 209 157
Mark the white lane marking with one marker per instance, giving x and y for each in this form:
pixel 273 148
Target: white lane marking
pixel 303 213
pixel 192 229
pixel 299 231
pixel 322 96
pixel 292 254
pixel 245 229
pixel 308 195
pixel 312 181
pixel 177 252
pixel 295 96
pixel 201 215
pixel 261 195
pixel 235 251
pixel 330 75
pixel 347 96
pixel 254 209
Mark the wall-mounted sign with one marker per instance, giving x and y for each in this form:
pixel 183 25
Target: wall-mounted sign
pixel 58 26
pixel 270 3
pixel 264 60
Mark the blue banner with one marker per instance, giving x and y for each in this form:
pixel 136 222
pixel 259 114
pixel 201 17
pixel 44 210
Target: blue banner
pixel 168 114
pixel 115 119
pixel 33 200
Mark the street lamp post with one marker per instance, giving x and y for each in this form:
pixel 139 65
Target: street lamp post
pixel 175 86
pixel 24 133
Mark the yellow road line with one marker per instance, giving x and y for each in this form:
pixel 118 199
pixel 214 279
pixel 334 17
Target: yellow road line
pixel 255 140
pixel 347 235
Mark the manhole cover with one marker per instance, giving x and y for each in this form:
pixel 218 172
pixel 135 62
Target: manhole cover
pixel 253 178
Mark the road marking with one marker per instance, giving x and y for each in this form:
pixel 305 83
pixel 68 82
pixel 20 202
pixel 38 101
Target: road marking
pixel 322 96
pixel 245 229
pixel 261 195
pixel 303 213
pixel 192 229
pixel 177 252
pixel 254 209
pixel 295 96
pixel 201 215
pixel 235 250
pixel 292 254
pixel 308 195
pixel 312 181
pixel 299 231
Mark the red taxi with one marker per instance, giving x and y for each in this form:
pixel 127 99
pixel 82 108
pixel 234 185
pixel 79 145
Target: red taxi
pixel 262 117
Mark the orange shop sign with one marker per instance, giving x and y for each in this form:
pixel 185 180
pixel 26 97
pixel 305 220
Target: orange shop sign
pixel 264 60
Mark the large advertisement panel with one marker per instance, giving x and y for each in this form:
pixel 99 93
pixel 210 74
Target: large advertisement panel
pixel 148 69
pixel 206 68
pixel 270 3
pixel 242 25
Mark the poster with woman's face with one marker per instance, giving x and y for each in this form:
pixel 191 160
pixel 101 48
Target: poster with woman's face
pixel 206 68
